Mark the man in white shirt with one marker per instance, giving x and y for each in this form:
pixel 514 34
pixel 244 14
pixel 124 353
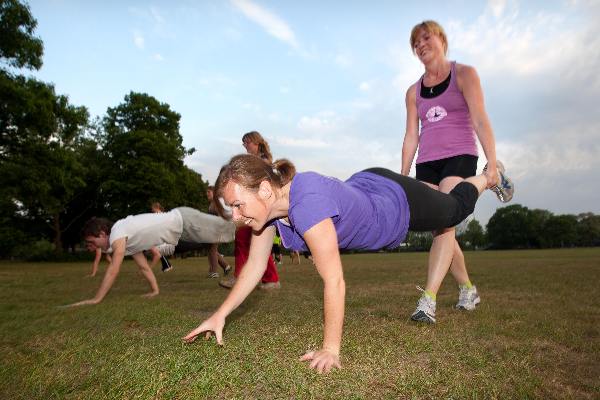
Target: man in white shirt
pixel 132 235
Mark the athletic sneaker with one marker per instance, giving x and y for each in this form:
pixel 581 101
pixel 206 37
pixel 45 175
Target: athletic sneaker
pixel 213 275
pixel 467 298
pixel 166 265
pixel 227 270
pixel 425 311
pixel 505 188
pixel 269 285
pixel 227 283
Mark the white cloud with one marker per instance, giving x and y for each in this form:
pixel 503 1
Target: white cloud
pixel 323 123
pixel 138 39
pixel 364 86
pixel 273 24
pixel 343 60
pixel 305 143
pixel 158 57
pixel 502 40
pixel 156 15
pixel 252 107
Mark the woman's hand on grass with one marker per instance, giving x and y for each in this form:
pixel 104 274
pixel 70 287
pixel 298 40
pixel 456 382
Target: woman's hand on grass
pixel 322 360
pixel 213 325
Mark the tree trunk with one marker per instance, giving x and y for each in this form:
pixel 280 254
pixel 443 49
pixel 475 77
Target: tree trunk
pixel 57 234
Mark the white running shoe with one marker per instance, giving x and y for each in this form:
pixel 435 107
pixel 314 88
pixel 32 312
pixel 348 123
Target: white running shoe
pixel 425 311
pixel 505 189
pixel 467 298
pixel 269 285
pixel 213 275
pixel 227 282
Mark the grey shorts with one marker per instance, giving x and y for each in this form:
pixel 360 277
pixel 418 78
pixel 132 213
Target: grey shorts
pixel 199 227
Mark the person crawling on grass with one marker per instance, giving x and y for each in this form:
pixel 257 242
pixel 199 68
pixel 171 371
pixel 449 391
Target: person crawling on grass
pixel 133 235
pixel 373 209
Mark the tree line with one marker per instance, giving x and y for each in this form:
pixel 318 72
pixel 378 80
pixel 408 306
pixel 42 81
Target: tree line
pixel 58 167
pixel 518 227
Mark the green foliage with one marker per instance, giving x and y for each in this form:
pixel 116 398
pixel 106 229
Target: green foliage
pixel 473 237
pixel 588 229
pixel 143 155
pixel 18 45
pixel 516 226
pixel 38 147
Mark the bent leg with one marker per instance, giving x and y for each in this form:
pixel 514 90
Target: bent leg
pixel 458 267
pixel 199 227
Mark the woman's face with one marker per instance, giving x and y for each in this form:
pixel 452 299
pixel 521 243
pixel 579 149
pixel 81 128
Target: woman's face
pixel 248 207
pixel 250 146
pixel 428 46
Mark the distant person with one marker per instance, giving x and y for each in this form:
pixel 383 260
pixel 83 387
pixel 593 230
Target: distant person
pixel 295 256
pixel 373 209
pixel 256 145
pixel 447 103
pixel 136 233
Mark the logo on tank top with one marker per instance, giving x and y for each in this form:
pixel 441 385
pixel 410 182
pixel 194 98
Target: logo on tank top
pixel 436 113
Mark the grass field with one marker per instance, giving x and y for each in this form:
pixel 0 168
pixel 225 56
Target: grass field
pixel 535 334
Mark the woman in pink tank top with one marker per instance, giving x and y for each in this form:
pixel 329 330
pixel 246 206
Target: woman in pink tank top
pixel 444 112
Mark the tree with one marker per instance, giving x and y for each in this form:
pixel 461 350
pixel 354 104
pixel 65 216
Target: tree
pixel 473 236
pixel 588 229
pixel 18 46
pixel 508 227
pixel 38 160
pixel 144 158
pixel 561 231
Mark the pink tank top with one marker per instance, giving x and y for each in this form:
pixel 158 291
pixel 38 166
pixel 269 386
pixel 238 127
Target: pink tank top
pixel 446 128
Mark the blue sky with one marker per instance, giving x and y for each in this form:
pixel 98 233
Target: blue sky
pixel 325 82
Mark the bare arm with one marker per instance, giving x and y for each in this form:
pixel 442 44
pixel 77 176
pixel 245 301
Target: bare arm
pixel 469 84
pixel 142 263
pixel 323 244
pixel 96 262
pixel 260 249
pixel 110 275
pixel 411 137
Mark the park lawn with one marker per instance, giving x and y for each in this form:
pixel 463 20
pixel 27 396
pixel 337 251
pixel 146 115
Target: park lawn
pixel 535 334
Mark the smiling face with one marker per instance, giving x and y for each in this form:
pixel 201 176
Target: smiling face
pixel 428 46
pixel 250 208
pixel 97 242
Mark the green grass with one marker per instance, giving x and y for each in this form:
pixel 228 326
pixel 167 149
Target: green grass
pixel 535 334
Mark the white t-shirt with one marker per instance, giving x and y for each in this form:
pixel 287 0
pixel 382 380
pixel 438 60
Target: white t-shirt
pixel 143 231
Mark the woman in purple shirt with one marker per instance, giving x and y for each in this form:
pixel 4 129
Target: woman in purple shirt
pixel 373 209
pixel 448 103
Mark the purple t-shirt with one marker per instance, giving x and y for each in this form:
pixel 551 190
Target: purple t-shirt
pixel 369 211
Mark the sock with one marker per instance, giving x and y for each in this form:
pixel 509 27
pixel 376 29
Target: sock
pixel 467 284
pixel 429 294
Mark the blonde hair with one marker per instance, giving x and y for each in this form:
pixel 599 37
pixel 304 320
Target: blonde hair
pixel 264 151
pixel 432 27
pixel 249 171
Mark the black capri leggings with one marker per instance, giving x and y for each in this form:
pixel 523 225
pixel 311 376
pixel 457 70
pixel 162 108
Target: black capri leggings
pixel 430 209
